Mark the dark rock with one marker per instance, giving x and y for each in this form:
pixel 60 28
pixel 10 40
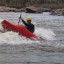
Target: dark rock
pixel 28 10
pixel 33 9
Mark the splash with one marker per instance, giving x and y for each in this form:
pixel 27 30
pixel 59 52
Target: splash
pixel 1 28
pixel 14 38
pixel 46 34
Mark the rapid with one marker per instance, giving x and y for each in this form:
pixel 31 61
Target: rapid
pixel 16 49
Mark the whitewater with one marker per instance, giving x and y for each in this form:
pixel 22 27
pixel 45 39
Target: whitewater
pixel 14 38
pixel 17 49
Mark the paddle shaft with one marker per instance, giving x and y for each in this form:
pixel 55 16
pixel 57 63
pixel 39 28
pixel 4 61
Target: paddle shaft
pixel 19 19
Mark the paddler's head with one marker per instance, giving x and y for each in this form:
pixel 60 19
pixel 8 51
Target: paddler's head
pixel 28 20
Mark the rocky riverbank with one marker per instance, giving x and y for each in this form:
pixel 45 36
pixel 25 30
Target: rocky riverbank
pixel 33 9
pixel 56 11
pixel 8 9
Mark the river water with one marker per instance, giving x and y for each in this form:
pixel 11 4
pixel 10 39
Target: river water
pixel 16 49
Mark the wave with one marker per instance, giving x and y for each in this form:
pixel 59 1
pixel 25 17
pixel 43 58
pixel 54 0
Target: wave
pixel 46 34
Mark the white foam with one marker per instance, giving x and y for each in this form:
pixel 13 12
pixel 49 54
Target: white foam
pixel 1 20
pixel 46 34
pixel 1 28
pixel 14 38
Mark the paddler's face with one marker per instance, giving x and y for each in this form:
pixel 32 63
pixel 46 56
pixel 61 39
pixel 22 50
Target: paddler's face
pixel 29 21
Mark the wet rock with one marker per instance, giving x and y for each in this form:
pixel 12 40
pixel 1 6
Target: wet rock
pixel 33 9
pixel 30 10
pixel 58 12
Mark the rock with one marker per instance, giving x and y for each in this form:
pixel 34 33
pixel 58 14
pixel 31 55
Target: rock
pixel 30 10
pixel 8 9
pixel 58 12
pixel 5 9
pixel 33 9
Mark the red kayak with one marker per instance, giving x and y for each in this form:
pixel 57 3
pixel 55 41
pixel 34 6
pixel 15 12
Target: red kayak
pixel 22 30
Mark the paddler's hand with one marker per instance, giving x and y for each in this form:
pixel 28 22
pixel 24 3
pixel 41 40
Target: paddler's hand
pixel 20 18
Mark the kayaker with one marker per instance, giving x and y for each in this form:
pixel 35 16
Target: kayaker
pixel 28 24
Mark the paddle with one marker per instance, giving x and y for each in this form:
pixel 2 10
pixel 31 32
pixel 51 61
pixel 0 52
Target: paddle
pixel 19 19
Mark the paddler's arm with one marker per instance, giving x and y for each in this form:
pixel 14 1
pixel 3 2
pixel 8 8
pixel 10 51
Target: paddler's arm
pixel 24 22
pixel 20 18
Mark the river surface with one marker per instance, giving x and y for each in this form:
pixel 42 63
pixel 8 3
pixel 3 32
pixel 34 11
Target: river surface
pixel 16 49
